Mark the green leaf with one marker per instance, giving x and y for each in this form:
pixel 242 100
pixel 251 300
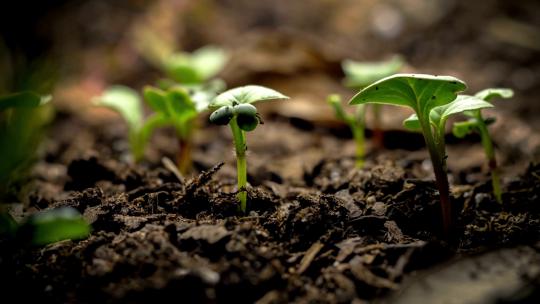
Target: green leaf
pixel 156 99
pixel 461 104
pixel 180 105
pixel 412 123
pixel 418 91
pixel 439 115
pixel 25 99
pixel 360 74
pixel 125 101
pixel 462 128
pixel 490 93
pixel 246 94
pixel 198 66
pixel 56 225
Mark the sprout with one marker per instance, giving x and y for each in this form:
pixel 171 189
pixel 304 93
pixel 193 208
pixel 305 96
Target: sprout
pixel 23 117
pixel 234 107
pixel 127 103
pixel 355 123
pixel 360 74
pixel 173 107
pixel 180 110
pixel 431 98
pixel 478 124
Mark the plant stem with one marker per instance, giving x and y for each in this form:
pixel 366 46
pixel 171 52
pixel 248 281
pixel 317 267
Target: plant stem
pixel 241 166
pixel 378 134
pixel 438 160
pixel 183 156
pixel 490 155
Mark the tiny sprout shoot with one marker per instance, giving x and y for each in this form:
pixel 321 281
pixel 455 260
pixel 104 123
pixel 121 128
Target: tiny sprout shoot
pixel 360 74
pixel 422 93
pixel 234 107
pixel 196 67
pixel 127 103
pixel 23 116
pixel 478 124
pixel 355 123
pixel 179 109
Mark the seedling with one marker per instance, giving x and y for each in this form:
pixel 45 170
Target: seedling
pixel 180 110
pixel 360 74
pixel 431 99
pixel 22 119
pixel 356 124
pixel 127 103
pixel 234 107
pixel 478 124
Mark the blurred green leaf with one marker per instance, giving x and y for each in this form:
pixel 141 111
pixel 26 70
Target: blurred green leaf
pixel 463 128
pixel 125 101
pixel 25 99
pixel 56 225
pixel 198 66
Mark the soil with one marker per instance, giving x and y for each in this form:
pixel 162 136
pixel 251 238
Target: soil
pixel 317 230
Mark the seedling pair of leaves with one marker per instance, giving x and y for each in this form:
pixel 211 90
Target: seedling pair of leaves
pixel 434 99
pixel 477 124
pixel 235 108
pixel 173 107
pixel 45 227
pixel 357 76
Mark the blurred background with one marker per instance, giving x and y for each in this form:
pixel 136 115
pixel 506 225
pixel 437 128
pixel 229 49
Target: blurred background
pixel 76 48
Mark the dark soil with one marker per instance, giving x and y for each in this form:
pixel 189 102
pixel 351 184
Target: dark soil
pixel 324 232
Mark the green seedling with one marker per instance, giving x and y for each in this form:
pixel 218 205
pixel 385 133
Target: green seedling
pixel 478 124
pixel 180 110
pixel 234 107
pixel 360 74
pixel 431 98
pixel 46 227
pixel 128 104
pixel 356 124
pixel 23 117
pixel 173 107
pixel 197 67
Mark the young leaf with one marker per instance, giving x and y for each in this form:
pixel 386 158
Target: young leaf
pixel 360 74
pixel 126 102
pixel 491 93
pixel 462 128
pixel 418 91
pixel 25 99
pixel 245 94
pixel 56 225
pixel 412 123
pixel 156 99
pixel 440 115
pixel 198 66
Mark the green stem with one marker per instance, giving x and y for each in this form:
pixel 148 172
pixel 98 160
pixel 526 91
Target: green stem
pixel 438 160
pixel 490 154
pixel 241 166
pixel 359 139
pixel 184 132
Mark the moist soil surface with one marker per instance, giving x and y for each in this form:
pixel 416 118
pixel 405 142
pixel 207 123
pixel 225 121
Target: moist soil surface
pixel 317 229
